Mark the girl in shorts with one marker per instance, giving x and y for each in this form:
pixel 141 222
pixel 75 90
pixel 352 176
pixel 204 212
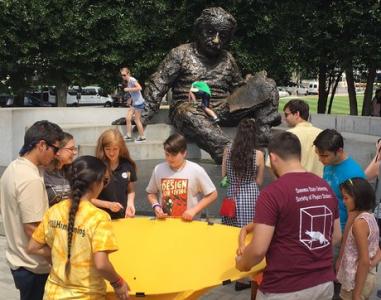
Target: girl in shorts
pixel 134 88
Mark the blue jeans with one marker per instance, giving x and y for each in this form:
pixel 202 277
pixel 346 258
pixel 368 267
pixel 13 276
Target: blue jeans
pixel 30 285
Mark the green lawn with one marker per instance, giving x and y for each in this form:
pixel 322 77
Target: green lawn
pixel 340 103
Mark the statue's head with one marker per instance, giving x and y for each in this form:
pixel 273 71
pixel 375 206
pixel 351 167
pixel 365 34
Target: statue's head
pixel 213 30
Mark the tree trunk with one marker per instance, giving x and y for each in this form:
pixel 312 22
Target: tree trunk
pixel 334 91
pixel 322 102
pixel 61 94
pixel 19 86
pixel 19 98
pixel 351 90
pixel 366 106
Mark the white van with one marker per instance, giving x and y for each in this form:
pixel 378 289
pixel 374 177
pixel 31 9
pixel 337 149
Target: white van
pixel 94 95
pixel 313 88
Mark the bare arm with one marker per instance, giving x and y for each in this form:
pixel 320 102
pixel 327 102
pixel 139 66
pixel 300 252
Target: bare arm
pixel 260 161
pixel 189 214
pixel 191 97
pixel 371 170
pixel 136 88
pixel 336 236
pixel 223 166
pixel 112 206
pixel 107 271
pixel 360 233
pixel 29 228
pixel 245 230
pixel 256 250
pixel 152 198
pixel 130 209
pixel 344 236
pixel 44 250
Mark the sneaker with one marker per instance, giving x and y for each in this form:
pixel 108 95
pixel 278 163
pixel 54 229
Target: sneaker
pixel 216 120
pixel 128 138
pixel 140 139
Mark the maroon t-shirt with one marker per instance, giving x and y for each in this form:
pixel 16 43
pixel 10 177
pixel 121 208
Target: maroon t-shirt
pixel 302 208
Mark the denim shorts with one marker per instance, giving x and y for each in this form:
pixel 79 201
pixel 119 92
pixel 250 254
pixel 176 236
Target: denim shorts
pixel 205 98
pixel 139 107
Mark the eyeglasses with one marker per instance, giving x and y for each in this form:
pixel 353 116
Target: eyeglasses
pixel 54 148
pixel 106 181
pixel 72 149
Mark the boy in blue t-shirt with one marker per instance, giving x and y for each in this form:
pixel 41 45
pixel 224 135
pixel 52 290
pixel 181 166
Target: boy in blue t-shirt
pixel 338 166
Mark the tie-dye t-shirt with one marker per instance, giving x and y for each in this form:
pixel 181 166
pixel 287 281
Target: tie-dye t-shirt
pixel 92 233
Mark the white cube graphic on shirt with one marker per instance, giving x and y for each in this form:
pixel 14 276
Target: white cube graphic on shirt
pixel 315 226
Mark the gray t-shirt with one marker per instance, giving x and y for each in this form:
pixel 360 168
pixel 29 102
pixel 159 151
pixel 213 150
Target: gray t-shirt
pixel 137 98
pixel 57 186
pixel 182 189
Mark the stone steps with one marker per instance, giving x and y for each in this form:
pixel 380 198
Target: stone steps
pixel 148 150
pixel 86 136
pixel 360 146
pixel 89 133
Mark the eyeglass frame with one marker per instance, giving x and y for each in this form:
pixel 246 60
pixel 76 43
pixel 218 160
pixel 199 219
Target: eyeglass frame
pixel 72 149
pixel 54 148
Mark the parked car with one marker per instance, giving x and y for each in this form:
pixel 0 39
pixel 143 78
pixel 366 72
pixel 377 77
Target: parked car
pixel 301 90
pixel 282 92
pixel 36 99
pixel 76 96
pixel 46 97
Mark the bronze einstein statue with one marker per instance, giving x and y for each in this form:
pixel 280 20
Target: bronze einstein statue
pixel 231 98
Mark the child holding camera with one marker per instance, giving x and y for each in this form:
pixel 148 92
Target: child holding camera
pixel 373 171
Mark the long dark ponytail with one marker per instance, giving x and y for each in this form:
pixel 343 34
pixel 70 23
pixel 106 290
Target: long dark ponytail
pixel 243 149
pixel 84 171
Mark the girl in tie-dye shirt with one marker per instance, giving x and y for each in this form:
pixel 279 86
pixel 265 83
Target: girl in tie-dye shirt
pixel 77 237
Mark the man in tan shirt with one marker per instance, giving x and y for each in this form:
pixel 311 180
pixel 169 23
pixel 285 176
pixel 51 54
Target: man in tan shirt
pixel 296 114
pixel 23 202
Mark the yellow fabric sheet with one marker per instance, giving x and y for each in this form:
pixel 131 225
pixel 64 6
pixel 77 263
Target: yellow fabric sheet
pixel 173 259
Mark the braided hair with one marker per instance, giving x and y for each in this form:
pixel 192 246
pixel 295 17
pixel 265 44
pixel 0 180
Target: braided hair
pixel 243 149
pixel 84 171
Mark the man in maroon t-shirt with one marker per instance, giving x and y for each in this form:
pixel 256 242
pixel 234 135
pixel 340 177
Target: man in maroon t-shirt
pixel 296 222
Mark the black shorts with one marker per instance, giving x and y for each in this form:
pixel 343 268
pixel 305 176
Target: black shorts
pixel 205 98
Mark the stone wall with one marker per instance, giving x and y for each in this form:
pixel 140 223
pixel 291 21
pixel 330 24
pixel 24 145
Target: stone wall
pixel 360 133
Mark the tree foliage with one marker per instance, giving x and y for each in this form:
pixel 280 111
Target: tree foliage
pixel 65 42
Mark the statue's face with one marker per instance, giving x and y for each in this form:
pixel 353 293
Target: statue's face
pixel 212 38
